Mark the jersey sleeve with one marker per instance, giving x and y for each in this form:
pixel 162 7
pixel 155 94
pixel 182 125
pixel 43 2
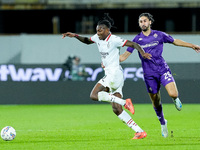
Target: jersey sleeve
pixel 119 42
pixel 94 38
pixel 167 38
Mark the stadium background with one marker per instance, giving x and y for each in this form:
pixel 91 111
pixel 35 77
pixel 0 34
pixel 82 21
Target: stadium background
pixel 31 39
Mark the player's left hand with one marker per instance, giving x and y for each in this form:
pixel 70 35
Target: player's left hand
pixel 147 56
pixel 197 48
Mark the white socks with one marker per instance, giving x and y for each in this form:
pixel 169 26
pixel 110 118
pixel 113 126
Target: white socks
pixel 126 118
pixel 106 97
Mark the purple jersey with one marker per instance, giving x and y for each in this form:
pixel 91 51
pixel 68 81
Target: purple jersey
pixel 153 44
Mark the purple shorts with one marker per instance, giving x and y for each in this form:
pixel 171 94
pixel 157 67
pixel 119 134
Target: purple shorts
pixel 153 82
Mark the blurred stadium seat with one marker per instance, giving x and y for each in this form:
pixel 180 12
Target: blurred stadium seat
pixel 22 1
pixel 112 3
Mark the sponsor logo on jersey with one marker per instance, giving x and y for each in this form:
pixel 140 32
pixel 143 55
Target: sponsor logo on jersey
pixel 154 43
pixel 104 54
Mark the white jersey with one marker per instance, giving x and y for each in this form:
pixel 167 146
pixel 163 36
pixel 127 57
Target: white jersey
pixel 109 49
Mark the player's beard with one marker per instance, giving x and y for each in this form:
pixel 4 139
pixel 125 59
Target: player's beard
pixel 145 28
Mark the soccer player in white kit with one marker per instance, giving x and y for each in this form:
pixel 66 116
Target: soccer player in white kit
pixel 109 88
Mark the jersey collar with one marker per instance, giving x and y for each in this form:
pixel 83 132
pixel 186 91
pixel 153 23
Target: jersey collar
pixel 108 37
pixel 149 34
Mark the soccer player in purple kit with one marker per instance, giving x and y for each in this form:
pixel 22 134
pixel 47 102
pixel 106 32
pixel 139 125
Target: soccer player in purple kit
pixel 156 71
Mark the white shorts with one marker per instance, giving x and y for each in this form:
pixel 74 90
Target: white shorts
pixel 114 80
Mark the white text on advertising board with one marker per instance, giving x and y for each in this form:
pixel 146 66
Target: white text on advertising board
pixel 10 72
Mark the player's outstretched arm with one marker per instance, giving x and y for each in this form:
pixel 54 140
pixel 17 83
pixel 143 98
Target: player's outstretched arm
pixel 85 40
pixel 124 56
pixel 178 42
pixel 139 48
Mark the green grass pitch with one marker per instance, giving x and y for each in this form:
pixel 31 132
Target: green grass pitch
pixel 95 127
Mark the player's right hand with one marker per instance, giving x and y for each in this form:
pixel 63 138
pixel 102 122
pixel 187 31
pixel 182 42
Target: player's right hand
pixel 69 34
pixel 196 48
pixel 147 56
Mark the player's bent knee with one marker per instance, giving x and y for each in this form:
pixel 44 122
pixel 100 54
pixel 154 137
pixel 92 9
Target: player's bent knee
pixel 93 97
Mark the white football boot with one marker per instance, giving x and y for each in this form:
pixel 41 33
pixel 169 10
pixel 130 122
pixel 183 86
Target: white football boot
pixel 178 104
pixel 164 130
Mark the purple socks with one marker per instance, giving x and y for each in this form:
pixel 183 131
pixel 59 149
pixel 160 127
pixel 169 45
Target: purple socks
pixel 160 114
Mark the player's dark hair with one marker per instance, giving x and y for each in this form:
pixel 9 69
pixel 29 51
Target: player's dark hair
pixel 109 22
pixel 148 15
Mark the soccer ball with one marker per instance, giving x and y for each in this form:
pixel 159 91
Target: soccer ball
pixel 8 133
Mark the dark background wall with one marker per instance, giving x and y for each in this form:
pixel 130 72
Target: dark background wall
pixel 55 17
pixel 77 92
pixel 85 20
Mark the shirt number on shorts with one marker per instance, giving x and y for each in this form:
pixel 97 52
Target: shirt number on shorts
pixel 167 76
